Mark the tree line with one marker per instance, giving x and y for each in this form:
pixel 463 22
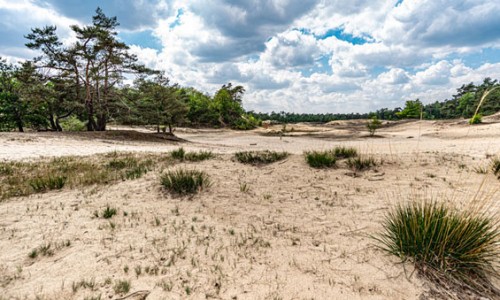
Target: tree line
pixel 462 105
pixel 80 87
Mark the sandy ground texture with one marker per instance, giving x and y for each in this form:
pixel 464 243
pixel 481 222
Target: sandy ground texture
pixel 281 231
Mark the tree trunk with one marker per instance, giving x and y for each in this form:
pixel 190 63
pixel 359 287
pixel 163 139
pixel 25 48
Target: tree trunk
pixel 53 125
pixel 101 122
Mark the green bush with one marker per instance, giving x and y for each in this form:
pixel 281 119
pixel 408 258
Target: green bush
pixel 373 125
pixel 73 124
pixel 444 243
pixel 476 119
pixel 183 182
pixel 260 157
pixel 321 159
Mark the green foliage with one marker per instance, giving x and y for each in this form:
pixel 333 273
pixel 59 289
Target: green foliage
pixel 361 163
pixel 345 152
pixel 246 122
pixel 260 157
pixel 184 182
pixel 476 119
pixel 108 212
pixel 321 159
pixel 46 183
pixel 412 110
pixel 373 125
pixel 198 156
pixel 444 243
pixel 72 123
pixel 178 154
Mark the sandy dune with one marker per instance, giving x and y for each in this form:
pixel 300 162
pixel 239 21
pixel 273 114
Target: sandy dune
pixel 282 231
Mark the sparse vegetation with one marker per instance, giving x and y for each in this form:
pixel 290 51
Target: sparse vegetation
pixel 361 163
pixel 373 125
pixel 260 157
pixel 178 154
pixel 108 212
pixel 446 245
pixel 46 183
pixel 321 159
pixel 495 166
pixel 122 287
pixel 181 154
pixel 183 182
pixel 345 152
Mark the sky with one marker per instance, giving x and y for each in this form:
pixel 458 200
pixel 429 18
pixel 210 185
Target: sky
pixel 303 56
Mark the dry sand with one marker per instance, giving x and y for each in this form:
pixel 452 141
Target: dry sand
pixel 296 233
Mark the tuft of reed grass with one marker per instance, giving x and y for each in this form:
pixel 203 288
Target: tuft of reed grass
pixel 345 152
pixel 199 156
pixel 47 182
pixel 178 154
pixel 321 159
pixel 361 163
pixel 183 182
pixel 447 246
pixel 260 157
pixel 108 212
pixel 495 166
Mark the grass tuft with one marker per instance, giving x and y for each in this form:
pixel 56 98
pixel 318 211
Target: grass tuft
pixel 495 166
pixel 108 212
pixel 321 159
pixel 183 182
pixel 178 154
pixel 446 246
pixel 361 163
pixel 46 183
pixel 345 152
pixel 260 157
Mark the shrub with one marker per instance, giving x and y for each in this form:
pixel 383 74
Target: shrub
pixel 373 125
pixel 444 244
pixel 321 159
pixel 345 152
pixel 178 154
pixel 72 124
pixel 260 157
pixel 361 163
pixel 476 119
pixel 185 182
pixel 46 183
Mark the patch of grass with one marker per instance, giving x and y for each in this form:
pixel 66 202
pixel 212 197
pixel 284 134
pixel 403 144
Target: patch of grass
pixel 183 182
pixel 122 163
pixel 48 182
pixel 199 156
pixel 361 163
pixel 260 157
pixel 447 246
pixel 108 212
pixel 345 152
pixel 121 286
pixel 480 170
pixel 321 159
pixel 495 166
pixel 178 154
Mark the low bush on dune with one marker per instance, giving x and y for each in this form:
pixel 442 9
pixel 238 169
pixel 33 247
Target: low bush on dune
pixel 260 157
pixel 321 159
pixel 184 182
pixel 452 248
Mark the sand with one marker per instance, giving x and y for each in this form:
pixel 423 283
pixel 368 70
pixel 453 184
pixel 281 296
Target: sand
pixel 281 231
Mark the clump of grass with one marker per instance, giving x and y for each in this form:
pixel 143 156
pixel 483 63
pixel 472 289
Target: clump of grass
pixel 122 287
pixel 361 163
pixel 345 152
pixel 199 156
pixel 447 246
pixel 47 182
pixel 260 157
pixel 122 163
pixel 178 154
pixel 495 166
pixel 183 182
pixel 321 159
pixel 108 212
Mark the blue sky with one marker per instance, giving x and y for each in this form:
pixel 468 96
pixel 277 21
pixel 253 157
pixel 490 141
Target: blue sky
pixel 301 56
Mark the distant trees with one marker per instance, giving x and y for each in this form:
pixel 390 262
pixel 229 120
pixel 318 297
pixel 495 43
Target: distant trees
pixel 412 110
